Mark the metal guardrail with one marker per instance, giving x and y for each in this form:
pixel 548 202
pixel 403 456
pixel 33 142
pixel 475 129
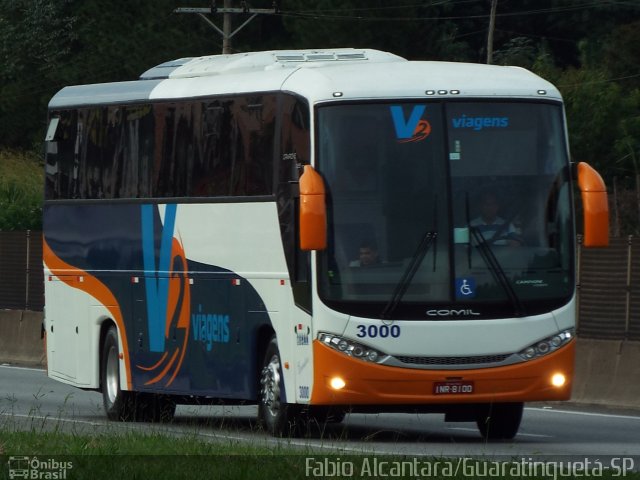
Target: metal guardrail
pixel 609 290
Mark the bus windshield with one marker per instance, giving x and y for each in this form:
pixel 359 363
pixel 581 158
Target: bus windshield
pixel 445 205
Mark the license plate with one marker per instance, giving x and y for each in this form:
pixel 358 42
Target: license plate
pixel 452 388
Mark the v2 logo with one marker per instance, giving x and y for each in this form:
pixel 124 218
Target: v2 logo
pixel 168 295
pixel 157 287
pixel 412 129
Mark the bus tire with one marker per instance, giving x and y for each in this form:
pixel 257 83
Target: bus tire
pixel 500 421
pixel 276 416
pixel 119 405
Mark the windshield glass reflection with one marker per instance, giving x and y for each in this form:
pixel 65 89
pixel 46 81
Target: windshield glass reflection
pixel 488 184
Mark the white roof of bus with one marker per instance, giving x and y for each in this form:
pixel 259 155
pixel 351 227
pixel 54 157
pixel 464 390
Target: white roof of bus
pixel 319 75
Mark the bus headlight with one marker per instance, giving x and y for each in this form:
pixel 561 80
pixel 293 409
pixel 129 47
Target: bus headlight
pixel 547 345
pixel 351 348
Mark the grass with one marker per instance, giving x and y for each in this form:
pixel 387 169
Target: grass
pixel 21 190
pixel 36 442
pixel 22 167
pixel 138 455
pixel 151 455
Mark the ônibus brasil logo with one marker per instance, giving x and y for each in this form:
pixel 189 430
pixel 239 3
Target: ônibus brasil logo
pixel 412 129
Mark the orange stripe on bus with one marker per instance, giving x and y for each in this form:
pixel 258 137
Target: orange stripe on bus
pixel 161 375
pixel 174 297
pixel 154 366
pixel 94 287
pixel 177 315
pixel 184 350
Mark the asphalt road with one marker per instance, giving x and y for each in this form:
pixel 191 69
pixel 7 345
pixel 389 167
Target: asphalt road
pixel 29 399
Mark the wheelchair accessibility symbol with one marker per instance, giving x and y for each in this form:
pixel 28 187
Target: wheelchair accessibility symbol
pixel 465 288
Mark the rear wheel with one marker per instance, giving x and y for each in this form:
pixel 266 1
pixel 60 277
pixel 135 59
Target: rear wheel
pixel 118 404
pixel 500 421
pixel 279 418
pixel 127 406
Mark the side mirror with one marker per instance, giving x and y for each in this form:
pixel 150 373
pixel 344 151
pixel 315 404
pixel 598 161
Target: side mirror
pixel 595 206
pixel 313 211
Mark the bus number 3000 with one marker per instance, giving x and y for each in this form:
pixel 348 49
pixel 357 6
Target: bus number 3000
pixel 382 331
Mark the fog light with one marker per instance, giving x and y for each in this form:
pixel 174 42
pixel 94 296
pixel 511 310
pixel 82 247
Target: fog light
pixel 558 380
pixel 337 383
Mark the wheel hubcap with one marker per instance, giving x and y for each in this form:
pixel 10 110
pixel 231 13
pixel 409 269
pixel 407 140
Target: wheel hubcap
pixel 270 382
pixel 112 379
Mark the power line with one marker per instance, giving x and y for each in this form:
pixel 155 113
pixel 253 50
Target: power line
pixel 532 35
pixel 553 10
pixel 392 7
pixel 604 80
pixel 227 11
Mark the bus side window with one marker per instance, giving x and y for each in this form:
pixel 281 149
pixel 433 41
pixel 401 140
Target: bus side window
pixel 60 156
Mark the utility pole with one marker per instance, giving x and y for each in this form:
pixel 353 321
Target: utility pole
pixel 492 26
pixel 226 28
pixel 227 10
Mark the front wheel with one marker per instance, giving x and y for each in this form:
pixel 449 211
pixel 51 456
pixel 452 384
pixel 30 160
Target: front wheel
pixel 500 421
pixel 279 418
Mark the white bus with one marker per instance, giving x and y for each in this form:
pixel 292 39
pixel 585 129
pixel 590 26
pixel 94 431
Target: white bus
pixel 315 232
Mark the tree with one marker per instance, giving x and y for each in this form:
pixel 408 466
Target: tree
pixel 416 32
pixel 521 51
pixel 621 54
pixel 35 37
pixel 120 39
pixel 593 107
pixel 48 44
pixel 21 182
pixel 589 49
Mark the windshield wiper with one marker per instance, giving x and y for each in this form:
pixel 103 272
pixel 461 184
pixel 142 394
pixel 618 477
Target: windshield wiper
pixel 401 288
pixel 497 271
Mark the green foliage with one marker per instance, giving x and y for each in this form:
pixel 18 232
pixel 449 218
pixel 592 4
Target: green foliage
pixel 35 36
pixel 48 44
pixel 119 40
pixel 149 454
pixel 626 147
pixel 58 442
pixel 590 50
pixel 21 191
pixel 593 106
pixel 520 51
pixel 413 31
pixel 162 454
pixel 621 54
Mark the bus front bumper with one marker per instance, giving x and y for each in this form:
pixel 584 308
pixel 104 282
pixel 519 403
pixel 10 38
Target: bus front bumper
pixel 364 383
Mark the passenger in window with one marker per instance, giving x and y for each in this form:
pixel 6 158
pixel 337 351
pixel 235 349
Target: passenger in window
pixel 367 255
pixel 493 228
